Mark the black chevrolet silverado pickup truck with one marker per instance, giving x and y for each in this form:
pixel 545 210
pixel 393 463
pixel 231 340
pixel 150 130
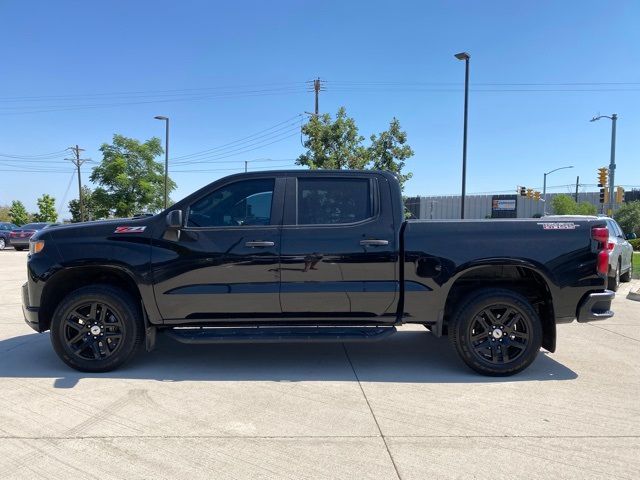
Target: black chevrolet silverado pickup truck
pixel 310 256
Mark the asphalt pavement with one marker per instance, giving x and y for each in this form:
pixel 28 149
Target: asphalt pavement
pixel 404 407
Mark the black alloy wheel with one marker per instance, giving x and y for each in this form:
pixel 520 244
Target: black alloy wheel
pixel 496 332
pixel 93 331
pixel 97 328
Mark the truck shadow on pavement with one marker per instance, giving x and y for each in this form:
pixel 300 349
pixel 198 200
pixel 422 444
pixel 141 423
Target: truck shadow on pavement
pixel 406 357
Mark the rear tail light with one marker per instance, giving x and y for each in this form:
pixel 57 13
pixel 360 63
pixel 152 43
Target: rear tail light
pixel 603 262
pixel 601 235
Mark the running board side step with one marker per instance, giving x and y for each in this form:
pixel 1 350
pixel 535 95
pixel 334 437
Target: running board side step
pixel 278 334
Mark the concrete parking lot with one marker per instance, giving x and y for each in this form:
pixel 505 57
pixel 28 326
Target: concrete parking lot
pixel 402 408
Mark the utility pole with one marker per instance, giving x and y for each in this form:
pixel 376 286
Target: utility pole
pixel 318 86
pixel 577 186
pixel 246 164
pixel 612 163
pixel 77 161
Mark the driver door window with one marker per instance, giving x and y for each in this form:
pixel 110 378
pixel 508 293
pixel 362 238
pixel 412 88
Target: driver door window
pixel 239 204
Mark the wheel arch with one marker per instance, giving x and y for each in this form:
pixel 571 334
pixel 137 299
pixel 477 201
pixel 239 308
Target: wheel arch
pixel 68 280
pixel 522 277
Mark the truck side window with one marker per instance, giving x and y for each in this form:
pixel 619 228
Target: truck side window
pixel 325 201
pixel 238 204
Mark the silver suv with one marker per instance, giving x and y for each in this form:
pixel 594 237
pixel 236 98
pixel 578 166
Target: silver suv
pixel 620 256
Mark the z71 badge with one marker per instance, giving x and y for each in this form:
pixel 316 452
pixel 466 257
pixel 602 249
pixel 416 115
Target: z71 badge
pixel 558 225
pixel 130 229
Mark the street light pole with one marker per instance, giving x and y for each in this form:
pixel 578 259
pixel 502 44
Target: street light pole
pixel 544 187
pixel 464 56
pixel 612 161
pixel 166 158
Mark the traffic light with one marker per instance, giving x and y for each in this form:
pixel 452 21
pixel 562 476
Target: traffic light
pixel 604 195
pixel 536 196
pixel 619 194
pixel 603 173
pixel 523 191
pixel 529 192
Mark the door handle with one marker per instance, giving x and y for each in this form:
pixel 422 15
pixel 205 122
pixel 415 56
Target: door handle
pixel 259 244
pixel 374 243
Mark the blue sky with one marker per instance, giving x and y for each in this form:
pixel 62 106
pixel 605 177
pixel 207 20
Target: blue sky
pixel 223 71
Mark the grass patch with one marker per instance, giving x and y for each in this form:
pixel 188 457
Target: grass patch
pixel 636 264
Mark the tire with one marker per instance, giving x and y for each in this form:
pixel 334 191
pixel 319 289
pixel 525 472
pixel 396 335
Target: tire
pixel 3 243
pixel 97 328
pixel 18 248
pixel 628 275
pixel 481 346
pixel 614 282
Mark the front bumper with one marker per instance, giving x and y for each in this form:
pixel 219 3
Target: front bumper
pixel 596 306
pixel 30 313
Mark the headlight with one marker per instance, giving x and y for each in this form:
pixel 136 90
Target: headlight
pixel 36 247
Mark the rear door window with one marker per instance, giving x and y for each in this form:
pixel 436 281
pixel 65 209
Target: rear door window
pixel 331 201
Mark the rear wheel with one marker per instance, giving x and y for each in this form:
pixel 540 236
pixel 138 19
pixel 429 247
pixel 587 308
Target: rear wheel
pixel 3 243
pixel 614 282
pixel 496 332
pixel 18 248
pixel 96 328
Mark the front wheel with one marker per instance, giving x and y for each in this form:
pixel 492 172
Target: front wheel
pixel 18 248
pixel 496 332
pixel 96 328
pixel 3 243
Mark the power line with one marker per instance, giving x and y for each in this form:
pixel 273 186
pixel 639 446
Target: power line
pixel 242 140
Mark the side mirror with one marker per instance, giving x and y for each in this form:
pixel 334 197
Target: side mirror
pixel 174 219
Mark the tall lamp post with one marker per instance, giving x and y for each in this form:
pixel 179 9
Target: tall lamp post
pixel 464 56
pixel 544 186
pixel 166 158
pixel 612 163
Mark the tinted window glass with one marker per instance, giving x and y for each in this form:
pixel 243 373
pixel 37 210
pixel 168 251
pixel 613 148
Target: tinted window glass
pixel 238 204
pixel 323 201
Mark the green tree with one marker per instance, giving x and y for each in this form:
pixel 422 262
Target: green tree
pixel 46 209
pixel 4 213
pixel 566 205
pixel 129 179
pixel 333 144
pixel 586 208
pixel 389 150
pixel 92 211
pixel 18 214
pixel 628 216
pixel 563 205
pixel 337 144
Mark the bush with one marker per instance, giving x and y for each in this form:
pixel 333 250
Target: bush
pixel 628 216
pixel 635 244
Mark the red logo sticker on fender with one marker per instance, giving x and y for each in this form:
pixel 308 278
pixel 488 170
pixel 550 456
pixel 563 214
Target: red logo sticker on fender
pixel 129 229
pixel 558 225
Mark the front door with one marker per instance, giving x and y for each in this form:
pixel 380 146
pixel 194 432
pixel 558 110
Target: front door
pixel 225 264
pixel 338 255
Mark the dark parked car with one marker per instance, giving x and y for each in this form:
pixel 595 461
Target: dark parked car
pixel 303 256
pixel 5 230
pixel 20 236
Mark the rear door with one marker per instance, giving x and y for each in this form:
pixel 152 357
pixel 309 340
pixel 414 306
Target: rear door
pixel 225 263
pixel 338 255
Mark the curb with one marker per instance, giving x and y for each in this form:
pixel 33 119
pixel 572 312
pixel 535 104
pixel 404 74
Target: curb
pixel 634 296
